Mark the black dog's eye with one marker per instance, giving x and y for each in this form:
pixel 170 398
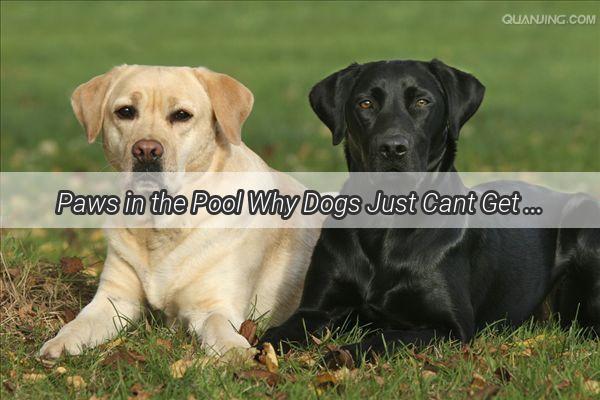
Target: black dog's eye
pixel 365 104
pixel 126 112
pixel 421 102
pixel 180 116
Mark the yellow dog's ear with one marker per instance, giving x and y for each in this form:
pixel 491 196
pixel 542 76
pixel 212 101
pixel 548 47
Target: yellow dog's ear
pixel 89 100
pixel 231 101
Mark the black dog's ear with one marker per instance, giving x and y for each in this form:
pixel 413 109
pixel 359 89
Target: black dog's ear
pixel 464 94
pixel 327 99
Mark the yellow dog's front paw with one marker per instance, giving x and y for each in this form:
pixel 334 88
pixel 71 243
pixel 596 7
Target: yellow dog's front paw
pixel 62 343
pixel 220 346
pixel 238 356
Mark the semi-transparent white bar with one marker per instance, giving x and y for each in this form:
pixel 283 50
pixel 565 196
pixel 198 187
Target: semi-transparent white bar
pixel 302 200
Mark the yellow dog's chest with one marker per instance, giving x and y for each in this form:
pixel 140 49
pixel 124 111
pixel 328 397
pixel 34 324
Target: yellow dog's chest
pixel 180 268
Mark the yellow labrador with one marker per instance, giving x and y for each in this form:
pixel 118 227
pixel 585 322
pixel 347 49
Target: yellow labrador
pixel 182 119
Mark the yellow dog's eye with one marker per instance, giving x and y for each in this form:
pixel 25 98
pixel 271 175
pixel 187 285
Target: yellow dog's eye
pixel 126 112
pixel 365 104
pixel 421 102
pixel 180 116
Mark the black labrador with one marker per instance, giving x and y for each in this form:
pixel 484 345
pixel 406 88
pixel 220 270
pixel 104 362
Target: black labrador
pixel 416 285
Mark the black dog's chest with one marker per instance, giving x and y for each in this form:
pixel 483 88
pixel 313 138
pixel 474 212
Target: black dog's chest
pixel 399 292
pixel 400 302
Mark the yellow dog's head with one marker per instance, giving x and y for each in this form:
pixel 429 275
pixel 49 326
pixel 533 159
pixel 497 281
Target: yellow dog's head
pixel 162 118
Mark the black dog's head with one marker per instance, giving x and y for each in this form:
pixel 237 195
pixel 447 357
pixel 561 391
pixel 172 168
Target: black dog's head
pixel 397 115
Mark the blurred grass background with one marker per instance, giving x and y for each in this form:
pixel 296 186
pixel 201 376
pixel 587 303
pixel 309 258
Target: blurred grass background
pixel 541 111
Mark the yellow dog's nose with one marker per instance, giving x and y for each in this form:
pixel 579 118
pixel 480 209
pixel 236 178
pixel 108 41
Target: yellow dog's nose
pixel 147 150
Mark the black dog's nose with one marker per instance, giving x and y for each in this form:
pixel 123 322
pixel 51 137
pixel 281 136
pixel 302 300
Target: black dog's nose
pixel 147 150
pixel 393 147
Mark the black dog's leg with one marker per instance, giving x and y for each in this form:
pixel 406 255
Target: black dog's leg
pixel 331 290
pixel 297 328
pixel 388 341
pixel 578 294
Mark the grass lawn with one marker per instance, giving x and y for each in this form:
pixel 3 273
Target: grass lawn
pixel 39 293
pixel 541 113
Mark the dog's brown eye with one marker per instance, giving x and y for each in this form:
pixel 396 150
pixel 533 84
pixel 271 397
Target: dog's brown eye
pixel 127 112
pixel 365 104
pixel 421 102
pixel 180 116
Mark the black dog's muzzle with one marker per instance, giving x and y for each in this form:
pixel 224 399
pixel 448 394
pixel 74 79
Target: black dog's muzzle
pixel 390 153
pixel 391 147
